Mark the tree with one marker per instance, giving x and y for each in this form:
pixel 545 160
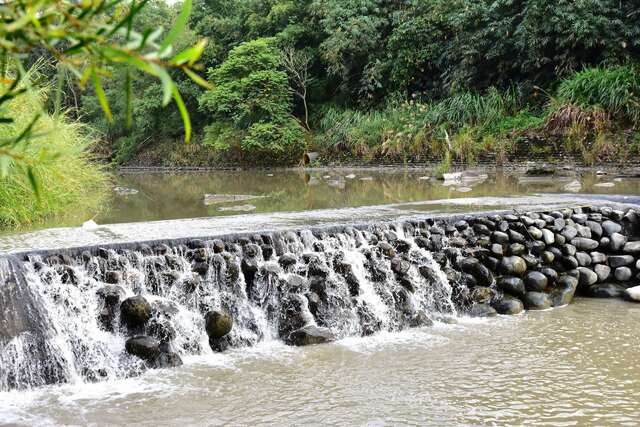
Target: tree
pixel 297 65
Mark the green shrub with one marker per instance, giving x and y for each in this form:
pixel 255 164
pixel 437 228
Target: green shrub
pixel 268 141
pixel 70 184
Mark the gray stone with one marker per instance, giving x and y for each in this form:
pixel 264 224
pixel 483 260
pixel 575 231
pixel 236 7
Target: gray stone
pixel 587 276
pixel 610 227
pixel 516 237
pixel 310 334
pixel 618 242
pixel 606 290
pixel 603 271
pixel 548 237
pixel 517 249
pixel 632 247
pixel 616 261
pixel 135 312
pixel 560 239
pixel 570 262
pixel 558 224
pixel 596 229
pixel 598 258
pixel 500 237
pixel 513 265
pixel 476 269
pixel 564 292
pixel 568 249
pixel 583 258
pixel 512 285
pixel 622 274
pixel 569 232
pixel 632 294
pixel 583 231
pixel 496 249
pixel 535 232
pixel 144 347
pixel 531 260
pixel 550 273
pixel 584 244
pixel 508 305
pixel 537 301
pixel 579 218
pixel 535 281
pixel 547 257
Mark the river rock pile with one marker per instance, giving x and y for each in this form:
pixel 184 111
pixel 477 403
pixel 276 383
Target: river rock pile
pixel 540 260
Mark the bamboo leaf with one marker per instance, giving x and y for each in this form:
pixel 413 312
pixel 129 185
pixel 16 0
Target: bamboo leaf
pixel 102 98
pixel 33 181
pixel 178 26
pixel 183 113
pixel 197 79
pixel 190 55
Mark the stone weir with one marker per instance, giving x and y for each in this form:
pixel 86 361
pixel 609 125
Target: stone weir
pixel 100 313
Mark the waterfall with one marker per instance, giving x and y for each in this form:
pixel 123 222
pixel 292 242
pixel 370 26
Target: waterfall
pixel 346 282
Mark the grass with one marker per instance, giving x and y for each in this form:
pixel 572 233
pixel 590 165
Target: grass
pixel 70 183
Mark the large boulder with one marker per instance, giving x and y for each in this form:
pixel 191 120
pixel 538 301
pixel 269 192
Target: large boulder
pixel 632 294
pixel 150 350
pixel 512 285
pixel 564 291
pixel 218 323
pixel 535 281
pixel 135 312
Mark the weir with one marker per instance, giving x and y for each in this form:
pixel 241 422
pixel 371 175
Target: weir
pixel 111 311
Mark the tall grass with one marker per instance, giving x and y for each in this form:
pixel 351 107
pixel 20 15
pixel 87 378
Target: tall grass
pixel 615 90
pixel 70 183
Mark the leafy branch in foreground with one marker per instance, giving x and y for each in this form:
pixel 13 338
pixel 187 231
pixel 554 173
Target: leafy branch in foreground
pixel 88 38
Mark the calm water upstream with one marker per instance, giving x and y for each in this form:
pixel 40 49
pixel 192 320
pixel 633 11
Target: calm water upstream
pixel 577 365
pixel 572 366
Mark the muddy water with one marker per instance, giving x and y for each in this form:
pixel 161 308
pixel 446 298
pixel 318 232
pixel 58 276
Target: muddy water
pixel 572 366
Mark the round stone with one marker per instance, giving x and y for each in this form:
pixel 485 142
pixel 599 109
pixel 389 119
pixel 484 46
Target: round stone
pixel 535 281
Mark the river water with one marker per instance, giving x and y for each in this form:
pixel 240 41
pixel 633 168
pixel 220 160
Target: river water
pixel 576 365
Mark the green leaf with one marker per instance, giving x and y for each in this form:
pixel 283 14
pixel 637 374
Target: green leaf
pixel 35 185
pixel 178 26
pixel 167 84
pixel 190 55
pixel 183 113
pixel 197 79
pixel 102 98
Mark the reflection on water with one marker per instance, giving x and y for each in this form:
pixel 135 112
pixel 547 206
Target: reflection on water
pixel 572 366
pixel 182 195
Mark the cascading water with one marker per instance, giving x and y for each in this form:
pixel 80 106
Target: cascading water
pixel 338 283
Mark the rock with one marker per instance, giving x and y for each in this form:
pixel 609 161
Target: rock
pixel 135 312
pixel 550 273
pixel 310 334
pixel 569 232
pixel 512 285
pixel 218 324
pixel 632 294
pixel 535 233
pixel 564 292
pixel 610 227
pixel 558 224
pixel 616 261
pixel 547 257
pixel 579 218
pixel 587 277
pixel 617 242
pixel 622 274
pixel 584 244
pixel 583 258
pixel 476 269
pixel 111 294
pixel 531 260
pixel 461 225
pixel 536 301
pixel 166 359
pixel 496 249
pixel 570 262
pixel 513 265
pixel 517 249
pixel 548 237
pixel 482 310
pixel 535 281
pixel 605 290
pixel 113 277
pixel 287 260
pixel 508 305
pixel 596 229
pixel 500 237
pixel 481 294
pixel 516 237
pixel 632 247
pixel 146 348
pixel 598 258
pixel 603 271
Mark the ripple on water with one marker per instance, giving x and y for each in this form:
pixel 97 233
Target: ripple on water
pixel 572 366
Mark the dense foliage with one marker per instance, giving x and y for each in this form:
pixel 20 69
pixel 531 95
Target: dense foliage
pixel 390 80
